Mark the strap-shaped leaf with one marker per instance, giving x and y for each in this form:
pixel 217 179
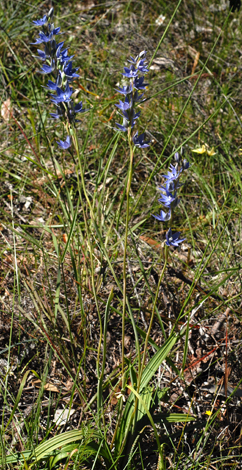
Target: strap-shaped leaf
pixel 156 361
pixel 47 447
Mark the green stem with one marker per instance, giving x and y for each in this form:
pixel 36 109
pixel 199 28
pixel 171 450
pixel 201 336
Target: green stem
pixel 125 248
pixel 83 187
pixel 166 251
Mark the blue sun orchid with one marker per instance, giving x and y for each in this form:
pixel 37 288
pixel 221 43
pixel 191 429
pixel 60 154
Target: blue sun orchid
pixel 63 96
pixel 131 116
pixel 65 144
pixel 60 112
pixel 169 200
pixel 123 127
pixel 59 65
pixel 185 164
pixel 139 83
pixel 171 186
pixel 173 238
pixel 126 90
pixel 133 60
pixel 58 48
pixel 41 22
pixel 64 57
pixel 44 38
pixel 69 72
pixel 141 66
pixel 128 121
pixel 133 97
pixel 173 174
pixel 164 216
pixel 124 105
pixel 169 197
pixel 48 68
pixel 51 85
pixel 49 52
pixel 139 62
pixel 79 109
pixel 55 31
pixel 136 97
pixel 139 141
pixel 130 72
pixel 42 55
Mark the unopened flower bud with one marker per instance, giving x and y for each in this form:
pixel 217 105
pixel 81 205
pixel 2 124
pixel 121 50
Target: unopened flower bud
pixel 50 14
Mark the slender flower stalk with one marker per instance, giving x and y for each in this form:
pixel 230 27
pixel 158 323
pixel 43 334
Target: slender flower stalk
pixel 58 65
pixel 152 318
pixel 170 201
pixel 129 114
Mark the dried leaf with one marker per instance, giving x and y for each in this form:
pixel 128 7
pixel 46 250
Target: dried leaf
pixel 6 111
pixel 156 245
pixel 51 388
pixel 196 59
pixel 62 416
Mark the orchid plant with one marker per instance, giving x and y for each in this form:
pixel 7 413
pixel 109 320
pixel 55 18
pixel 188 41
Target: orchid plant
pixel 135 414
pixel 169 198
pixel 58 64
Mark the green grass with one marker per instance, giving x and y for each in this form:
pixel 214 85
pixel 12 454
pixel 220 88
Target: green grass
pixel 131 399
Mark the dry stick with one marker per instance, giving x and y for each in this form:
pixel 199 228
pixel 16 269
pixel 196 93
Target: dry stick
pixel 16 213
pixel 219 322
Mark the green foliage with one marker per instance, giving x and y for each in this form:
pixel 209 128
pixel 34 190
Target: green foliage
pixel 65 235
